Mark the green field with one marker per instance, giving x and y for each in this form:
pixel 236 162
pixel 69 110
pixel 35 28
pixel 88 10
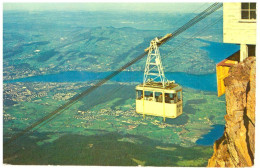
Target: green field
pixel 111 149
pixel 107 118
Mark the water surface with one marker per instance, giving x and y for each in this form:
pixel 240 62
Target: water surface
pixel 212 136
pixel 201 82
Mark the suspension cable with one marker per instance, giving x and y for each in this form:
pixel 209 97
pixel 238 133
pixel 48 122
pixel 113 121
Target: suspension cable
pixel 183 44
pixel 74 99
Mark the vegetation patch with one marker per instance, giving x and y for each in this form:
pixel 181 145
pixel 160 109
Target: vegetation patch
pixel 45 56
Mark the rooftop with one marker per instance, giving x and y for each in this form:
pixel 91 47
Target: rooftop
pixel 158 85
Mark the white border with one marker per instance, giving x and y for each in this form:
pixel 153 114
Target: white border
pixel 257 161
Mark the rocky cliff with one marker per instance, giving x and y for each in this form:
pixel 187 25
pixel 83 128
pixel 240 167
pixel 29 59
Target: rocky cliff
pixel 236 148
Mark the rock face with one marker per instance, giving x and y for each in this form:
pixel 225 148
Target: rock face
pixel 236 148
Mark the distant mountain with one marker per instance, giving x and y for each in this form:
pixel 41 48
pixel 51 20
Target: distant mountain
pixel 51 42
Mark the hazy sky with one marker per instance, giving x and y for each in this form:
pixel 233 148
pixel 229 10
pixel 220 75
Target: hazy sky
pixel 155 7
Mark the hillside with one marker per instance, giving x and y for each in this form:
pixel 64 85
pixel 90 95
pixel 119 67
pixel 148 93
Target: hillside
pixel 34 45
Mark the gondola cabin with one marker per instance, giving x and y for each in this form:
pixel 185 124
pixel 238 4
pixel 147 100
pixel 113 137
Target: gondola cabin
pixel 155 100
pixel 156 95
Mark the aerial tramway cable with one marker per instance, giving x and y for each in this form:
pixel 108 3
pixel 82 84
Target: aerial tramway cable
pixel 181 45
pixel 74 99
pixel 187 41
pixel 92 105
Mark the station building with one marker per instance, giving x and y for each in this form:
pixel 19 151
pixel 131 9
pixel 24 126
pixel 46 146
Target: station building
pixel 239 27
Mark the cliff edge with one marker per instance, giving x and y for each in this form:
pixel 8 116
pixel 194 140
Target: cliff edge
pixel 236 148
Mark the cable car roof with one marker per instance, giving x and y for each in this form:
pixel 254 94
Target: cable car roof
pixel 157 86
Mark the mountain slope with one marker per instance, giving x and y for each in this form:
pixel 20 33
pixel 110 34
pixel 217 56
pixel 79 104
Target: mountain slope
pixel 236 147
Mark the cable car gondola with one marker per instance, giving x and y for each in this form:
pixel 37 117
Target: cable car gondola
pixel 156 95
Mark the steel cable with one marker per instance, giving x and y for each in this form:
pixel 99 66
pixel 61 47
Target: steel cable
pixel 193 21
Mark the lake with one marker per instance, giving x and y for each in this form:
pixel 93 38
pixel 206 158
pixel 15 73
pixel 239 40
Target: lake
pixel 212 136
pixel 219 51
pixel 201 82
pixel 216 51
